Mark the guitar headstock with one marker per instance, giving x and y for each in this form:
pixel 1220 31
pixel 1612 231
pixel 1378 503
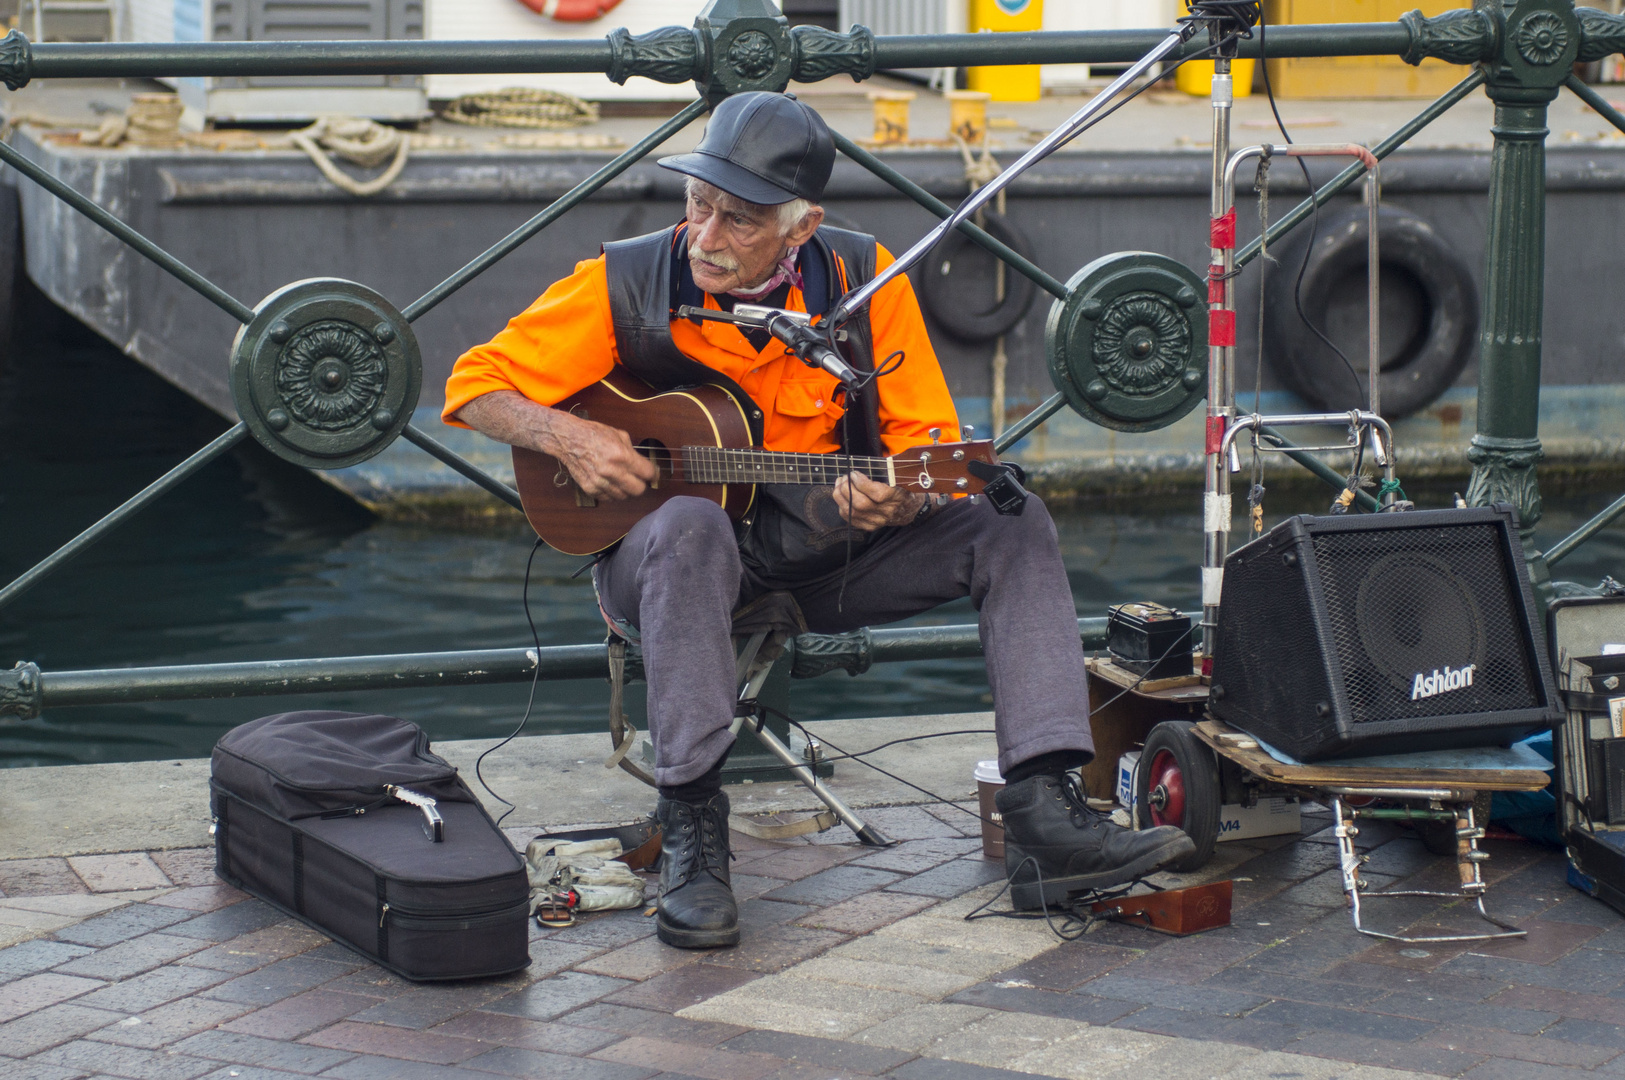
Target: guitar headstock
pixel 943 468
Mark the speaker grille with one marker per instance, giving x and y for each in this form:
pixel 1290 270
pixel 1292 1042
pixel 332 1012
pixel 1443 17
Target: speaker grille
pixel 1414 602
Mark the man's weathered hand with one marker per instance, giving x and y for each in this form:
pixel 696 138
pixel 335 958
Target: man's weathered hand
pixel 870 505
pixel 603 462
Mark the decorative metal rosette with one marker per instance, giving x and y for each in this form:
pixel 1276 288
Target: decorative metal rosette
pixel 1128 345
pixel 327 374
pixel 1541 38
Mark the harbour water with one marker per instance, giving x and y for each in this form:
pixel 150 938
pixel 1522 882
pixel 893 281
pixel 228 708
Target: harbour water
pixel 254 559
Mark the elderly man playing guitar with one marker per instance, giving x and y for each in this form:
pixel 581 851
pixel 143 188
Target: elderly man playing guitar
pixel 860 552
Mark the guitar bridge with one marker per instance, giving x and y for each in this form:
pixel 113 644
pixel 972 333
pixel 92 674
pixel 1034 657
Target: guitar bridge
pixel 583 499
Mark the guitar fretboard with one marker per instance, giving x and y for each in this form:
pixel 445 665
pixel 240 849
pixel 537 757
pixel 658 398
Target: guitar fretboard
pixel 717 465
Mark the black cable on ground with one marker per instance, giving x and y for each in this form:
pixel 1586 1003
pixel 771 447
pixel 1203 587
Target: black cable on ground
pixel 530 702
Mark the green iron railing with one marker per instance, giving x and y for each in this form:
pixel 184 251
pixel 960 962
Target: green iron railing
pixel 1521 54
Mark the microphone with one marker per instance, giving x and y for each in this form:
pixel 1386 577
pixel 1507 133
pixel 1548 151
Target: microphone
pixel 794 330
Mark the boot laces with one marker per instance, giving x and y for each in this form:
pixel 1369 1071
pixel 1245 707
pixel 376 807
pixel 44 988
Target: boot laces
pixel 1076 800
pixel 703 849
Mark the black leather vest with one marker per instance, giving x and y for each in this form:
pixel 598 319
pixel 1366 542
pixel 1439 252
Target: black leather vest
pixel 649 280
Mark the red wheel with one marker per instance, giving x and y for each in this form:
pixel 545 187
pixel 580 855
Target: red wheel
pixel 1178 785
pixel 1166 790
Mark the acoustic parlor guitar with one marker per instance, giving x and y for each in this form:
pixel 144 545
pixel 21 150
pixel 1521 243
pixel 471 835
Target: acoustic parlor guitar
pixel 700 439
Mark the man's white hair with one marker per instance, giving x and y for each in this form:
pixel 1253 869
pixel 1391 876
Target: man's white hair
pixel 789 214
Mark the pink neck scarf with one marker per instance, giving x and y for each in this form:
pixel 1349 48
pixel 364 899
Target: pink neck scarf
pixel 786 272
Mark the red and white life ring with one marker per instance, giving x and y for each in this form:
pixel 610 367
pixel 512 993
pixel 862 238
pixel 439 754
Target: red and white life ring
pixel 571 10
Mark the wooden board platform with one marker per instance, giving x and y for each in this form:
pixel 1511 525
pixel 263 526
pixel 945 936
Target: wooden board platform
pixel 1245 751
pixel 1184 689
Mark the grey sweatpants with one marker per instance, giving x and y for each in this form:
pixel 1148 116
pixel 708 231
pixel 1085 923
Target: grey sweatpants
pixel 677 578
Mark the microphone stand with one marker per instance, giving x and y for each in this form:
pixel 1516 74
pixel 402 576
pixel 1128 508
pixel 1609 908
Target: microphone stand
pixel 1081 120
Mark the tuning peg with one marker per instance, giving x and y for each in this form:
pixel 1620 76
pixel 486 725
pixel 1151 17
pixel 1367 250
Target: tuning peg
pixel 935 433
pixel 970 432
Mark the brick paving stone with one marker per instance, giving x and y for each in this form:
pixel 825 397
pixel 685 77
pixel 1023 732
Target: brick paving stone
pixel 1545 941
pixel 229 922
pixel 795 863
pixel 1369 1050
pixel 118 873
pixel 1469 1013
pixel 922 982
pixel 561 993
pixel 37 991
pixel 862 914
pixel 170 1023
pixel 385 1041
pixel 639 960
pixel 1459 986
pixel 550 955
pixel 905 823
pixel 609 931
pixel 1399 857
pixel 299 1015
pixel 951 879
pixel 1584 909
pixel 962 817
pixel 1586 971
pixel 372 981
pixel 1296 862
pixel 1172 996
pixel 1391 953
pixel 132 957
pixel 1504 1069
pixel 1182 1023
pixel 828 1053
pixel 38 955
pixel 130 1061
pixel 514 1061
pixel 188 866
pixel 1067 966
pixel 41 1030
pixel 762 914
pixel 38 877
pixel 909 857
pixel 1344 1021
pixel 254 951
pixel 73 905
pixel 711 1062
pixel 775 949
pixel 1311 953
pixel 504 1030
pixel 677 990
pixel 429 1004
pixel 337 952
pixel 1022 999
pixel 750 886
pixel 366 1067
pixel 202 898
pixel 249 1072
pixel 1325 890
pixel 275 981
pixel 937 1069
pixel 1590 1032
pixel 14 920
pixel 1192 959
pixel 1488 1039
pixel 12 1069
pixel 833 885
pixel 152 989
pixel 270 1053
pixel 626 1020
pixel 127 922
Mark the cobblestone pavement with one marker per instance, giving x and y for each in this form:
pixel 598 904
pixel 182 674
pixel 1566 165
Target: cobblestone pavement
pixel 854 963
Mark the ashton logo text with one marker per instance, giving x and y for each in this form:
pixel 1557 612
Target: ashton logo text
pixel 1426 686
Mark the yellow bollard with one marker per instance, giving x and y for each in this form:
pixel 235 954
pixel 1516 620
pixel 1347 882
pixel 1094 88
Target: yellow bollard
pixel 1006 83
pixel 1196 77
pixel 967 114
pixel 891 116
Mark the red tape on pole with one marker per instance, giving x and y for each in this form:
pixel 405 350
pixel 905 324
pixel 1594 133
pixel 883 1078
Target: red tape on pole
pixel 1221 327
pixel 1224 231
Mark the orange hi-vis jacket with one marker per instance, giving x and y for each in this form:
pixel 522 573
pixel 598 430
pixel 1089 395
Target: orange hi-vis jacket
pixel 565 342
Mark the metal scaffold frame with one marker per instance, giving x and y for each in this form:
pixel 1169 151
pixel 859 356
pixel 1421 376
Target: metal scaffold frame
pixel 1522 55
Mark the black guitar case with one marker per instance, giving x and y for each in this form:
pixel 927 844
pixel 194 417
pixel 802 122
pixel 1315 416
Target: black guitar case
pixel 302 820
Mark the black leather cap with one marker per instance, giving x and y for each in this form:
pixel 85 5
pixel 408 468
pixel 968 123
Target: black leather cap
pixel 764 148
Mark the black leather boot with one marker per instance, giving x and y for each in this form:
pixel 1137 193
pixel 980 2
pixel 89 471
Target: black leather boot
pixel 696 908
pixel 1052 837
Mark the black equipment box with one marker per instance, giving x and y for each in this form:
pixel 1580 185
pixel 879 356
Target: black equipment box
pixel 1364 634
pixel 1589 756
pixel 306 819
pixel 1150 640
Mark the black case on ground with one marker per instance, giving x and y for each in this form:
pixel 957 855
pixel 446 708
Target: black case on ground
pixel 1588 790
pixel 302 821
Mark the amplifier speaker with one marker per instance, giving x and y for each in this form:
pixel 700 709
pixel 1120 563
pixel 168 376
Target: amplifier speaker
pixel 1366 634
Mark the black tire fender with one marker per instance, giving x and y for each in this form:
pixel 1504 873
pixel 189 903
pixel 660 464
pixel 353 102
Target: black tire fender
pixel 1425 284
pixel 1175 741
pixel 949 302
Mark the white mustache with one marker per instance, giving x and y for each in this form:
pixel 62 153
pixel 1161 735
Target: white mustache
pixel 720 259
